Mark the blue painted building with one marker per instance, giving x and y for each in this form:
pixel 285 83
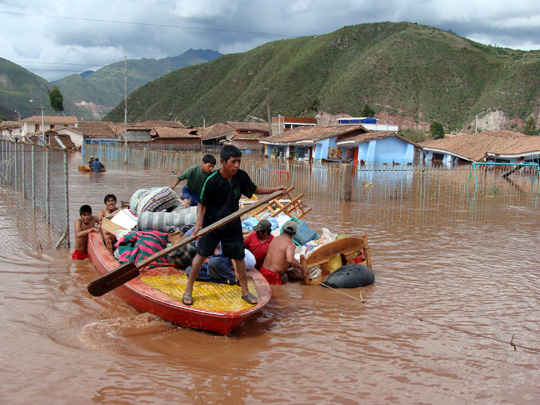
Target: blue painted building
pixel 341 143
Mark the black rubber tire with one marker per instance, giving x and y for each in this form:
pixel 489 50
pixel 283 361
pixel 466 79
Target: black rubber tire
pixel 350 276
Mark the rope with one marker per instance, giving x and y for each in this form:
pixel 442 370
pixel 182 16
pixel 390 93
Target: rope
pixel 511 342
pixel 514 345
pixel 341 292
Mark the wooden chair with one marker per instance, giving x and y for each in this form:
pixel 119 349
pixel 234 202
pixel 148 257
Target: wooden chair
pixel 345 247
pixel 292 207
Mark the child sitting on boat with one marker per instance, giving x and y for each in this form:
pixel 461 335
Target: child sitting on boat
pixel 110 208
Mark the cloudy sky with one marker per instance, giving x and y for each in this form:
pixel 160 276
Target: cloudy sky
pixel 58 38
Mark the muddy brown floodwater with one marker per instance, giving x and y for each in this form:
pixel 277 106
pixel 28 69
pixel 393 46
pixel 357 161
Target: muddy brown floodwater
pixel 457 280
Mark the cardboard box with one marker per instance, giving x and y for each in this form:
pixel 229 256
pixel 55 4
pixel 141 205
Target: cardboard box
pixel 121 220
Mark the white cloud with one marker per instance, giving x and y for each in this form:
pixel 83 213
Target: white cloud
pixel 101 32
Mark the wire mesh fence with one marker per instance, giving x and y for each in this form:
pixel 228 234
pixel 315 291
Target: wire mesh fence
pixel 370 182
pixel 40 175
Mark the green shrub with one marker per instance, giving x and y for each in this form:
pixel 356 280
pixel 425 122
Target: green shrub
pixel 437 130
pixel 413 135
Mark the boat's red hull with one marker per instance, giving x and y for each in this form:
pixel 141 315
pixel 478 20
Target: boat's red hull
pixel 147 299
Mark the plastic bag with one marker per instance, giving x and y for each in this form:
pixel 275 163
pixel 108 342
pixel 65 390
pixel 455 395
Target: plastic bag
pixel 327 236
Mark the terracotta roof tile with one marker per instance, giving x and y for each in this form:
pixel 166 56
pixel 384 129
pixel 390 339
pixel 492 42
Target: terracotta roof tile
pixel 370 136
pixel 249 126
pixel 315 133
pixel 216 131
pixel 52 119
pixel 164 132
pixel 98 129
pixel 474 147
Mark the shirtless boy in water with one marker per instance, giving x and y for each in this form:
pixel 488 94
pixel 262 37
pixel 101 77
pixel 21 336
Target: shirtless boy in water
pixel 110 207
pixel 88 223
pixel 280 255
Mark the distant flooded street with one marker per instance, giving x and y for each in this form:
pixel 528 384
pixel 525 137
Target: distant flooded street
pixel 457 284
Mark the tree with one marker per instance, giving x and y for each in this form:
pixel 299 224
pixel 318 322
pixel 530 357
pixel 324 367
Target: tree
pixel 56 99
pixel 530 126
pixel 437 130
pixel 315 105
pixel 412 135
pixel 367 111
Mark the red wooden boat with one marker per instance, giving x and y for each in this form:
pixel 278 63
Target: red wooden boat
pixel 217 308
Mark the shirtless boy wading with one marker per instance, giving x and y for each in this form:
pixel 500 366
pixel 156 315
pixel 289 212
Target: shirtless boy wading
pixel 280 255
pixel 83 226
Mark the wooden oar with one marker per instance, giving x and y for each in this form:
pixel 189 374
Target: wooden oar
pixel 129 271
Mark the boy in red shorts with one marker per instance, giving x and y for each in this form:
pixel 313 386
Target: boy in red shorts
pixel 88 223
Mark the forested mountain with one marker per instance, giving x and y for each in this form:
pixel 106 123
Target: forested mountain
pixel 106 86
pixel 400 69
pixel 18 86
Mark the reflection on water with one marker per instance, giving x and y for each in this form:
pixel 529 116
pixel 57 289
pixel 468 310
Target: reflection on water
pixel 456 278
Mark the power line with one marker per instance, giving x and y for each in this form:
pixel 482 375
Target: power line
pixel 50 63
pixel 149 24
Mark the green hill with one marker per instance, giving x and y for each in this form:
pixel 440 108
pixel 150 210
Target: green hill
pixel 106 86
pixel 18 86
pixel 398 68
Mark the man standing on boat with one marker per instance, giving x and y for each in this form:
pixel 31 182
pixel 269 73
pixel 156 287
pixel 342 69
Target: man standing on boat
pixel 219 198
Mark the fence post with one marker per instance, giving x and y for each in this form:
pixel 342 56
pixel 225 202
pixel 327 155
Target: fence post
pixel 16 154
pixel 24 148
pixel 33 176
pixel 345 181
pixel 47 185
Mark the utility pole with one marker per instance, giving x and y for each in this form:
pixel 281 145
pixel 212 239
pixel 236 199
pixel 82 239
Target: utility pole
pixel 20 131
pixel 43 127
pixel 125 110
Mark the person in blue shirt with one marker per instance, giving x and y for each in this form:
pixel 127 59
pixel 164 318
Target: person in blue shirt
pixel 97 166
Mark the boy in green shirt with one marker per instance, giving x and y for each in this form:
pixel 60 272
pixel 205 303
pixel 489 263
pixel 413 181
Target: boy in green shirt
pixel 195 176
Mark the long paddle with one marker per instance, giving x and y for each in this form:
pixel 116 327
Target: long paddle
pixel 130 270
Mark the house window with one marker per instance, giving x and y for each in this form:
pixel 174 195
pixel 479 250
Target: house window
pixel 438 156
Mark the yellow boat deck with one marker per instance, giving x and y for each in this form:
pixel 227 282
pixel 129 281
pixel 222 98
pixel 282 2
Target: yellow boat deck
pixel 208 296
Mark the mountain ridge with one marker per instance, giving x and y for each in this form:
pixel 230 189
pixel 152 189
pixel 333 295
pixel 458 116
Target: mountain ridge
pixel 400 69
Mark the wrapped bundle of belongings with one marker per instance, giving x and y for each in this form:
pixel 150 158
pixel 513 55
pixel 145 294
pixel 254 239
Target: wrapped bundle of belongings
pixel 154 214
pixel 154 200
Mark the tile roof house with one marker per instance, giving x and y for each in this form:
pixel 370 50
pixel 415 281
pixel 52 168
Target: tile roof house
pixel 282 124
pixel 176 136
pixel 39 124
pixel 345 143
pixel 151 132
pixel 52 139
pixel 496 146
pixel 10 129
pixel 378 147
pixel 85 130
pixel 244 135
